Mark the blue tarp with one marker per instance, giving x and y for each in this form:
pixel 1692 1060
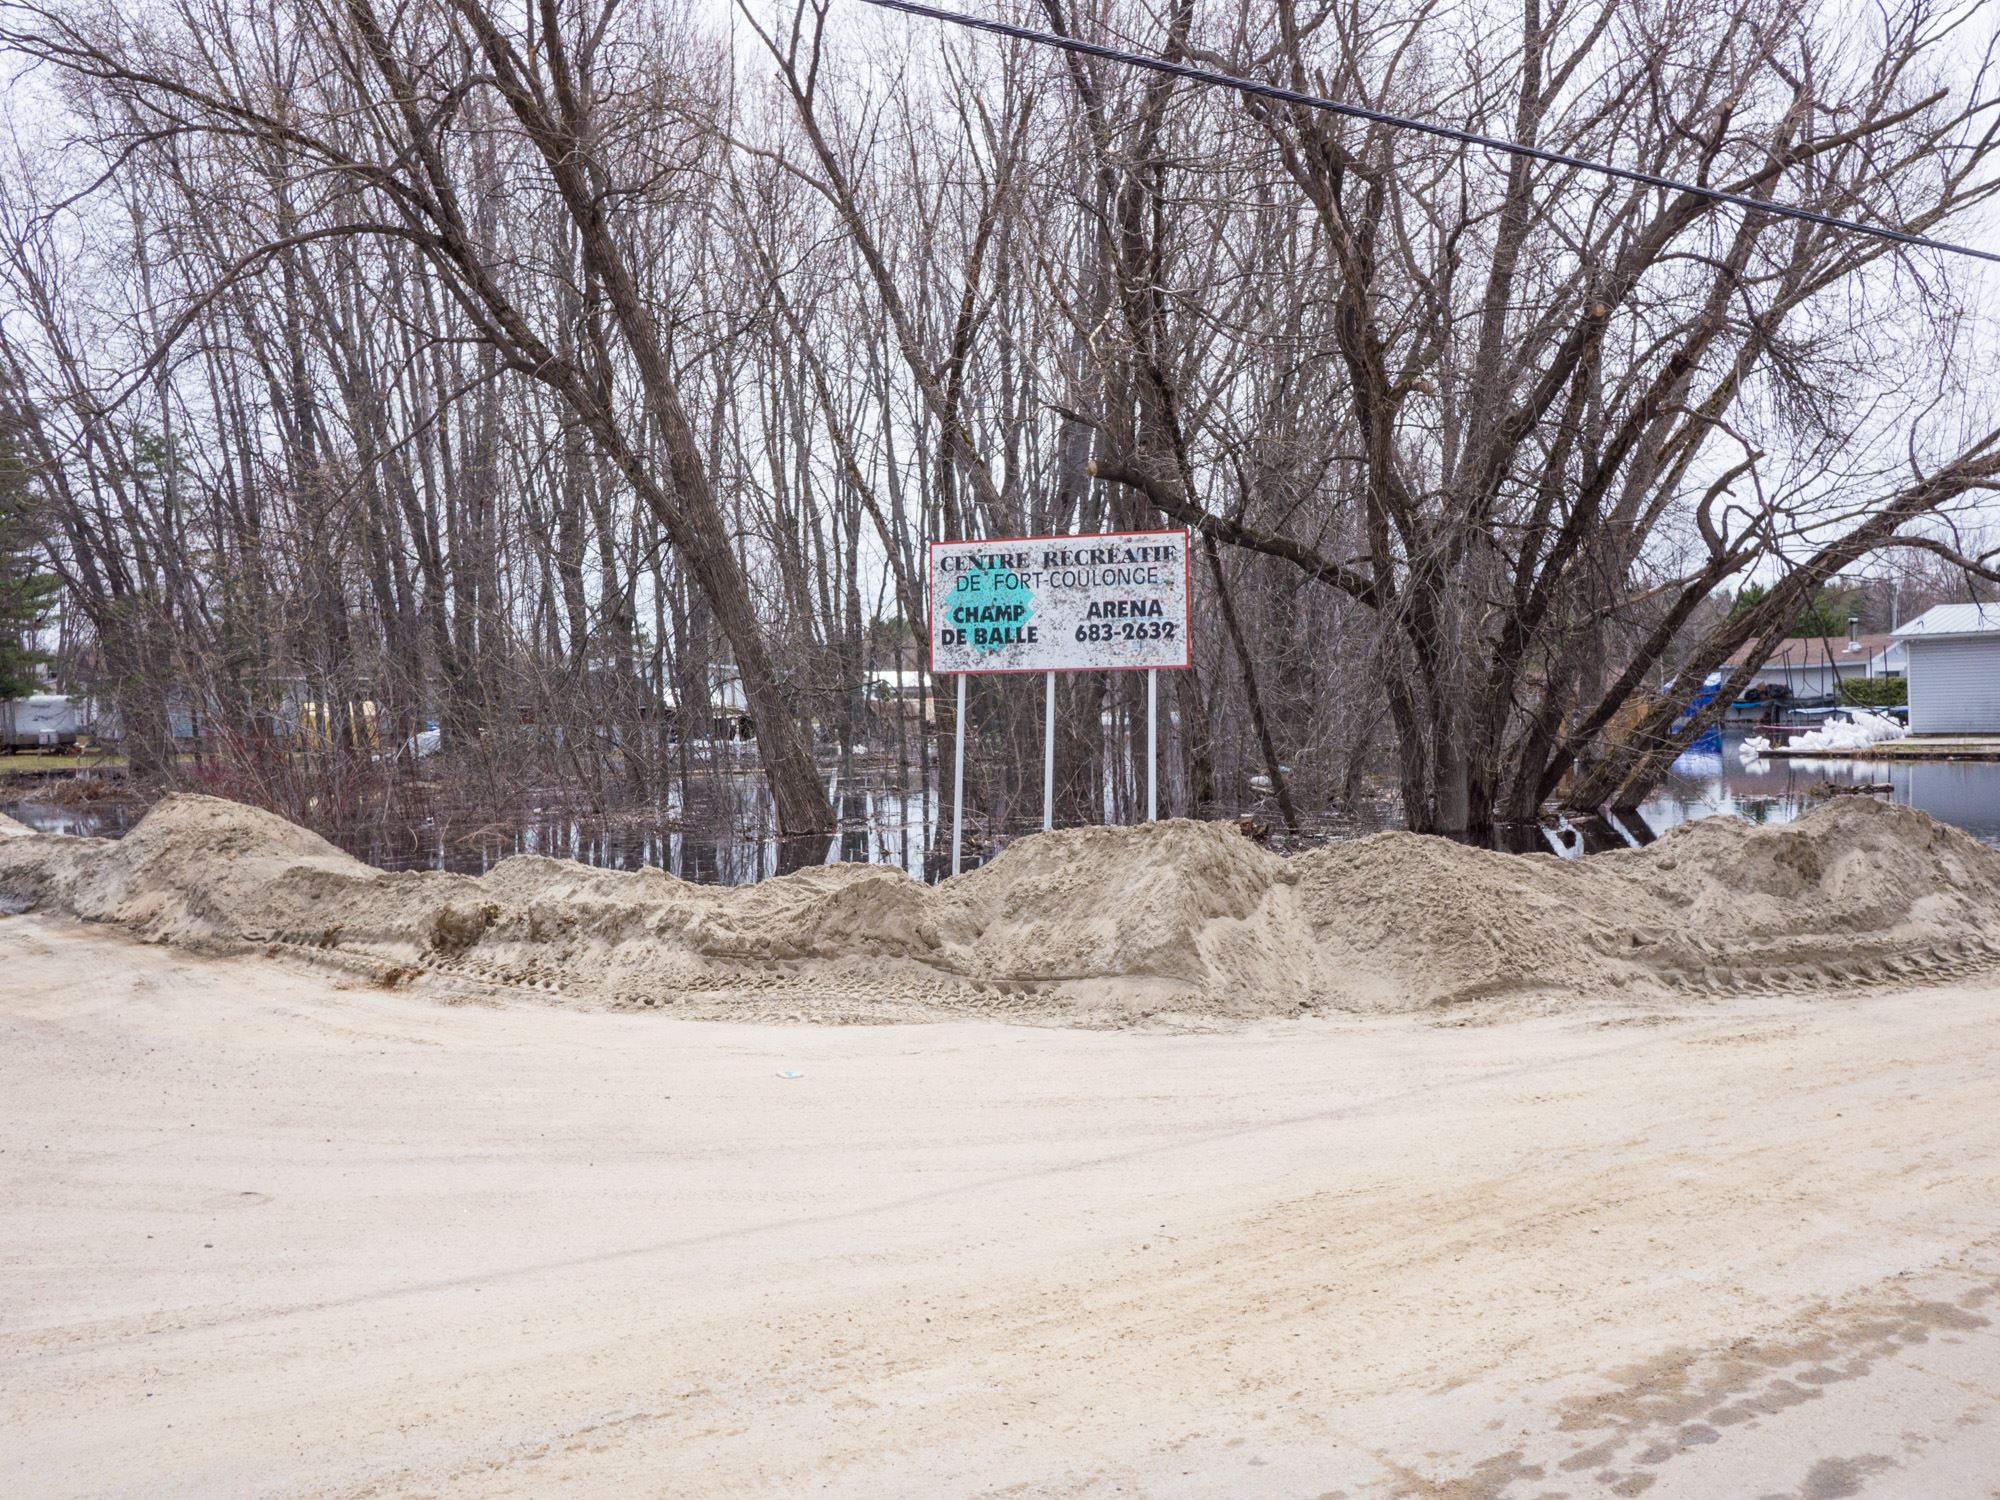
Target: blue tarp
pixel 1710 739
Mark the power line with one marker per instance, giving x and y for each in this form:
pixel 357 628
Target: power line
pixel 1447 132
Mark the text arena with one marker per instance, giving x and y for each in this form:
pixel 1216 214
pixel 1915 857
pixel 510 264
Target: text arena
pixel 1060 603
pixel 1116 602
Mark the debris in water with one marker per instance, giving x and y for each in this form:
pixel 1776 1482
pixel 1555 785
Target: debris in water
pixel 1857 731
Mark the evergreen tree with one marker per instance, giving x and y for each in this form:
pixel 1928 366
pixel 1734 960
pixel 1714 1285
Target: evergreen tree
pixel 27 590
pixel 1746 597
pixel 1826 617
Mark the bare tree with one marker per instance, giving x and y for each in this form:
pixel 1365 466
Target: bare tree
pixel 545 371
pixel 402 120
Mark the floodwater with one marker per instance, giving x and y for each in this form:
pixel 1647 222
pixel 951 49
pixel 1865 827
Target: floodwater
pixel 722 835
pixel 1963 793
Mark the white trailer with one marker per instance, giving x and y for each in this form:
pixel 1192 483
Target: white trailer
pixel 40 721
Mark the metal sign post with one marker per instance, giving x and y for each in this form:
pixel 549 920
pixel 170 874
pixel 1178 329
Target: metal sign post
pixel 1116 602
pixel 958 777
pixel 1049 755
pixel 1152 744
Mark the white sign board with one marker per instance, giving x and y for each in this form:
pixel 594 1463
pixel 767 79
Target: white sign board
pixel 1115 602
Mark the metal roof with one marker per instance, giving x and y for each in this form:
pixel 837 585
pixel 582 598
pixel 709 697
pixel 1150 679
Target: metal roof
pixel 1954 619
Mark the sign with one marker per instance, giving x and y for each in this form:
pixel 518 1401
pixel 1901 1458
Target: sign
pixel 1114 602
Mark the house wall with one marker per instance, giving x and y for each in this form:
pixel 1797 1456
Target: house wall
pixel 1955 686
pixel 1815 678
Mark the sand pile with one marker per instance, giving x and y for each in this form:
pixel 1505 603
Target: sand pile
pixel 1859 889
pixel 1404 920
pixel 1094 925
pixel 1136 916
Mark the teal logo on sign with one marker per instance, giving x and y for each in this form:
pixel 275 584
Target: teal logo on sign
pixel 994 608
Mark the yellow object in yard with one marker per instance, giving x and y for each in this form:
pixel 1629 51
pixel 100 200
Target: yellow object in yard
pixel 338 726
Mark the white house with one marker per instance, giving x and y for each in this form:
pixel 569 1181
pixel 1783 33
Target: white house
pixel 1954 669
pixel 1811 667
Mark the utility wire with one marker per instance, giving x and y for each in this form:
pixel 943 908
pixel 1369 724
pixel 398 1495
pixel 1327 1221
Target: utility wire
pixel 1447 132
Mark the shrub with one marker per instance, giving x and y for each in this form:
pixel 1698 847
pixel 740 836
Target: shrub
pixel 1874 692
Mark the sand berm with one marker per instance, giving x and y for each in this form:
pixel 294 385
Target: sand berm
pixel 1177 923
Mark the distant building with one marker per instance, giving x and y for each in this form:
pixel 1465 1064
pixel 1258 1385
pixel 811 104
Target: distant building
pixel 1810 668
pixel 1954 669
pixel 729 716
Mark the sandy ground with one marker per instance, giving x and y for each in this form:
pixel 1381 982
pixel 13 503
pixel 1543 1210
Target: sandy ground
pixel 261 1234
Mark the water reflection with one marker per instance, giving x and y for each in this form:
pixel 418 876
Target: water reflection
pixel 1965 794
pixel 106 819
pixel 721 833
pixel 1715 782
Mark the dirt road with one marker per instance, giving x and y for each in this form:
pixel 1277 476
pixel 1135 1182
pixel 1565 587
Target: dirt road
pixel 265 1235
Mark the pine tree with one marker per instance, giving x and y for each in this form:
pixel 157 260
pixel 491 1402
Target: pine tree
pixel 27 590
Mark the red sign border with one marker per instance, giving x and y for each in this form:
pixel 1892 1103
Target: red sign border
pixel 1186 535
